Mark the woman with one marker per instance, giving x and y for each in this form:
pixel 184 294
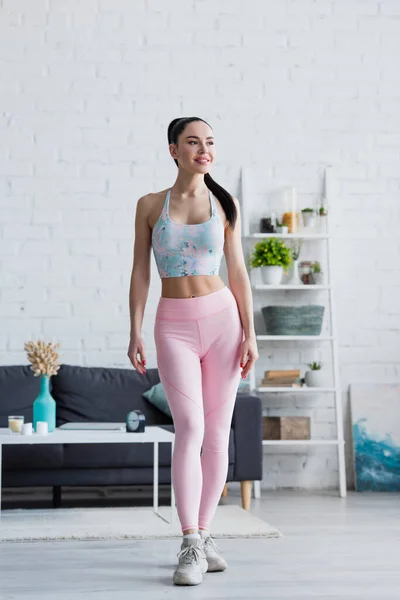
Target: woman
pixel 204 331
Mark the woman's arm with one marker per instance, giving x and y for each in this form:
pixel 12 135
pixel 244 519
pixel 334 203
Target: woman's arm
pixel 239 284
pixel 139 284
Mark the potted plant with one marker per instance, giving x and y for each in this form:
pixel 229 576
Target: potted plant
pixel 280 228
pixel 309 217
pixel 317 275
pixel 315 377
pixel 273 257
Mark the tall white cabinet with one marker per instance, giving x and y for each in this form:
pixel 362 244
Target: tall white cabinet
pixel 297 294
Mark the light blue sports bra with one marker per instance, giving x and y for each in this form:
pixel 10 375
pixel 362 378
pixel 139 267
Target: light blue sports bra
pixel 181 249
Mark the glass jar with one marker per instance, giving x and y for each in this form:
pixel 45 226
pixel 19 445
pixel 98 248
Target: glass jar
pixel 15 423
pixel 290 217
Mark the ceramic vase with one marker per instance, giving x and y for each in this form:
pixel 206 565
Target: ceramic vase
pixel 295 277
pixel 44 406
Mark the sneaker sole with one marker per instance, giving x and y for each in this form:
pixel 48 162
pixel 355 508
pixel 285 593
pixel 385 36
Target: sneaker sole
pixel 185 580
pixel 214 567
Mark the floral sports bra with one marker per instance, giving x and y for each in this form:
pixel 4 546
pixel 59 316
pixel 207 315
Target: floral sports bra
pixel 181 249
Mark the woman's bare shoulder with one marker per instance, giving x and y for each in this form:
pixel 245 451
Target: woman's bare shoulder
pixel 150 206
pixel 152 198
pixel 147 202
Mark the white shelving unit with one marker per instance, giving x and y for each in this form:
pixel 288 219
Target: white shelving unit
pixel 286 286
pixel 250 238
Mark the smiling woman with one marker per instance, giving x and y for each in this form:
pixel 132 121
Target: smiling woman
pixel 204 331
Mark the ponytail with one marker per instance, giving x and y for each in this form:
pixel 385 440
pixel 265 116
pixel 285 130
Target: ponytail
pixel 225 199
pixel 175 129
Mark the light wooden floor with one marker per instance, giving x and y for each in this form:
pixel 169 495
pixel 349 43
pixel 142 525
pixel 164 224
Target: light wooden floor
pixel 332 549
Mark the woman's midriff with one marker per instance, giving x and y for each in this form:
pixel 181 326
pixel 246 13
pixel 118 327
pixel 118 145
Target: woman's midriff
pixel 190 286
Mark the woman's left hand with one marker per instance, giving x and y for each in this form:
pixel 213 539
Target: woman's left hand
pixel 248 356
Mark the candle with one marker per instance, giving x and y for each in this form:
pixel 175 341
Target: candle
pixel 15 423
pixel 42 427
pixel 26 429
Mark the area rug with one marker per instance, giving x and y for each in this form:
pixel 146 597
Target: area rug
pixel 23 525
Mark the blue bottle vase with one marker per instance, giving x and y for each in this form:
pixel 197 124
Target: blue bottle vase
pixel 44 407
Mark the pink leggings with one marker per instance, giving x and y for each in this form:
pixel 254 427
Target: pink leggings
pixel 198 343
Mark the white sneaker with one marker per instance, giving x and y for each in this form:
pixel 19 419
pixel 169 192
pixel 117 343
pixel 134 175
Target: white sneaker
pixel 215 561
pixel 192 563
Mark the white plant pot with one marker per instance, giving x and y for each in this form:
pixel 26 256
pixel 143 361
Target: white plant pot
pixel 318 278
pixel 283 229
pixel 272 275
pixel 315 378
pixel 309 219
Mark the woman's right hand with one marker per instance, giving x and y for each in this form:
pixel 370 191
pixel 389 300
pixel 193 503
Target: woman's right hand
pixel 136 347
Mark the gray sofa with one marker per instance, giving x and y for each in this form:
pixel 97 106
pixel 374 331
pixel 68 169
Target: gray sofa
pixel 108 394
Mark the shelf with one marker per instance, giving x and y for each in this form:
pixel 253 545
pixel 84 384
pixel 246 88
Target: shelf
pixel 294 390
pixel 290 236
pixel 286 286
pixel 319 236
pixel 302 442
pixel 299 338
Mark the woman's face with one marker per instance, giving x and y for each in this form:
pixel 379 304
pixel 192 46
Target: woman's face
pixel 195 150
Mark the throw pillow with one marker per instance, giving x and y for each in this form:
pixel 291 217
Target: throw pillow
pixel 157 397
pixel 243 386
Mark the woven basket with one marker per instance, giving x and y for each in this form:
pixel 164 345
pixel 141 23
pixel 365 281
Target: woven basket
pixel 293 320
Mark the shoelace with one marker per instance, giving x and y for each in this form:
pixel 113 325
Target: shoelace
pixel 190 554
pixel 210 544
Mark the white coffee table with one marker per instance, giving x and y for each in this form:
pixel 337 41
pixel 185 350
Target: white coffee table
pixel 152 435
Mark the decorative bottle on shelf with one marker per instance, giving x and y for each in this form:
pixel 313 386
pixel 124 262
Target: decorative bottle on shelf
pixel 44 407
pixel 295 277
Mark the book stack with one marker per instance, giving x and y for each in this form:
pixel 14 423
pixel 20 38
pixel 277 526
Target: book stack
pixel 288 378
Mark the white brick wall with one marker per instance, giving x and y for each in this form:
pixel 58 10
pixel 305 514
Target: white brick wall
pixel 88 89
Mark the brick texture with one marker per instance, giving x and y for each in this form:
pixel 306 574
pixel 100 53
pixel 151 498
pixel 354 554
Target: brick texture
pixel 88 90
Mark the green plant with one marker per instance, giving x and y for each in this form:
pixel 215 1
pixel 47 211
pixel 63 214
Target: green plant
pixel 307 210
pixel 315 366
pixel 322 211
pixel 271 252
pixel 278 224
pixel 316 267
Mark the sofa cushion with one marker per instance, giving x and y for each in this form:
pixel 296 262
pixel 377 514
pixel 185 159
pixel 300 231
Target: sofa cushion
pixel 33 457
pixel 103 394
pixel 18 389
pixel 156 396
pixel 114 456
